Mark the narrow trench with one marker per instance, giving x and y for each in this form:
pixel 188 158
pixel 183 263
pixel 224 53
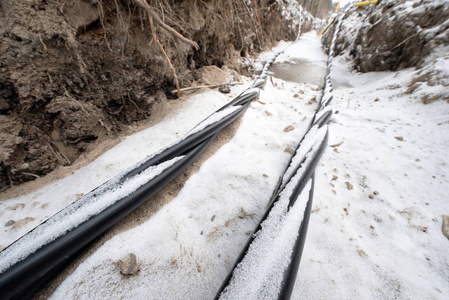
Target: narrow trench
pixel 144 211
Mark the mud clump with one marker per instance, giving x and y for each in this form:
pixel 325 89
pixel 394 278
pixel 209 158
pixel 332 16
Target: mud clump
pixel 75 72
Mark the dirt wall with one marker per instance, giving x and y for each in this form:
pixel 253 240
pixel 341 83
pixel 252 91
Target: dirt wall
pixel 77 71
pixel 392 35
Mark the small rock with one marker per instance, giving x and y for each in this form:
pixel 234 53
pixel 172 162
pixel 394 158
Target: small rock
pixel 224 89
pixel 289 128
pixel 445 226
pixel 362 253
pixel 265 175
pixel 129 265
pixel 295 96
pixel 371 196
pixel 213 218
pixel 399 138
pixel 334 177
pixel 376 193
pixel 289 150
pixel 10 223
pixel 349 185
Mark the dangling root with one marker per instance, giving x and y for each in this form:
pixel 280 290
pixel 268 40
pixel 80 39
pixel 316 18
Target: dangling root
pixel 153 33
pixel 152 15
pixel 150 11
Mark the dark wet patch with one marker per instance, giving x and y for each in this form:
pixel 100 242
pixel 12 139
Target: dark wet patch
pixel 300 71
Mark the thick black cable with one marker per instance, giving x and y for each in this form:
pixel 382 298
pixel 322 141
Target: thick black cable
pixel 30 274
pixel 292 270
pixel 24 278
pixel 320 119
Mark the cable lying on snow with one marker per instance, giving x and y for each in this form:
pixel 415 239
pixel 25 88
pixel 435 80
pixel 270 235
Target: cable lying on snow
pixel 33 260
pixel 268 264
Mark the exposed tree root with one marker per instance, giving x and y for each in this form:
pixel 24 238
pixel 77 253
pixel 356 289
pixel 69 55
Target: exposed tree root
pixel 205 86
pixel 153 16
pixel 153 33
pixel 150 11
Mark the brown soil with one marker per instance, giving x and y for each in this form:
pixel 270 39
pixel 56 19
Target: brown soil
pixel 76 73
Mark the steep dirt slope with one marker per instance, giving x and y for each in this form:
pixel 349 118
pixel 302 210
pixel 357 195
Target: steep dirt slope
pixel 77 71
pixel 395 35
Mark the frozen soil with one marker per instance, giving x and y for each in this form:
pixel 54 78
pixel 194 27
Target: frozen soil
pixel 78 73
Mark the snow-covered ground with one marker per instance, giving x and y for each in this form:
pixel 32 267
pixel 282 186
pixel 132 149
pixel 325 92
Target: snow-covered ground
pixel 375 230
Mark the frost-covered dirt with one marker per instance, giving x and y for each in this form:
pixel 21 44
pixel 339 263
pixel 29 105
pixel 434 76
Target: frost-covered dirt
pixel 375 230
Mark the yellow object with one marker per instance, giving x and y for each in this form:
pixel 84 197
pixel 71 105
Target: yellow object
pixel 365 3
pixel 322 31
pixel 337 7
pixel 334 13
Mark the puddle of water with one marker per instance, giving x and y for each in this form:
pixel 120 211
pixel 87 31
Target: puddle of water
pixel 300 71
pixel 336 83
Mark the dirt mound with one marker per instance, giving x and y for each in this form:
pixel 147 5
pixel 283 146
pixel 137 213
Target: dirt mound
pixel 78 71
pixel 393 34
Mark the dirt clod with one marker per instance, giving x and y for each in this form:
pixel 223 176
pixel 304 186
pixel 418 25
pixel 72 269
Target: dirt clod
pixel 445 226
pixel 349 186
pixel 128 265
pixel 22 222
pixel 289 128
pixel 289 150
pixel 225 89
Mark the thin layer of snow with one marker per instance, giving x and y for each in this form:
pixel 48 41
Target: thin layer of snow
pixel 41 204
pixel 76 214
pixel 375 230
pixel 314 135
pixel 360 244
pixel 260 274
pixel 189 246
pixel 215 117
